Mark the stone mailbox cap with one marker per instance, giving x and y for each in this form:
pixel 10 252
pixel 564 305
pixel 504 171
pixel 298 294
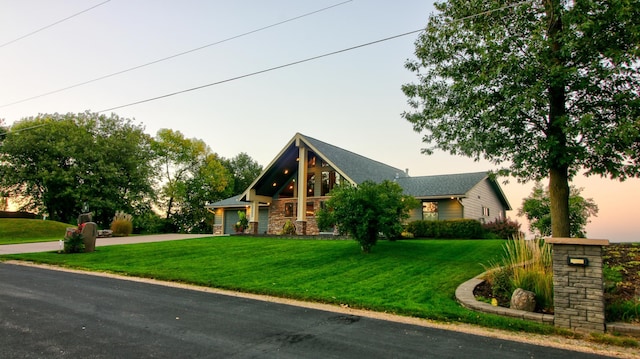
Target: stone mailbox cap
pixel 578 241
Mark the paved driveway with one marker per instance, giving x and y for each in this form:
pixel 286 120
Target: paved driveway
pixel 54 246
pixel 55 314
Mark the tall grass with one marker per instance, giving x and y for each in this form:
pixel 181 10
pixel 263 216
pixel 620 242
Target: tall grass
pixel 122 224
pixel 525 264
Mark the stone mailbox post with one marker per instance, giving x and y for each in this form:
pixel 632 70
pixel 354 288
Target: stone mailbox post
pixel 578 284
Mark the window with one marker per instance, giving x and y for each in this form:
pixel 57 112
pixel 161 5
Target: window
pixel 485 211
pixel 288 209
pixel 430 211
pixel 310 211
pixel 311 184
pixel 330 179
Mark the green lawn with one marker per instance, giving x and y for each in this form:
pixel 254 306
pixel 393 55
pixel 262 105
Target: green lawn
pixel 416 278
pixel 20 230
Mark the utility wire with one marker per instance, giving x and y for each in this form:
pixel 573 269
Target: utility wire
pixel 261 71
pixel 302 61
pixel 174 56
pixel 51 25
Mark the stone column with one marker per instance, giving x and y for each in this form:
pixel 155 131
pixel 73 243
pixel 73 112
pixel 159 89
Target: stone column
pixel 301 219
pixel 578 284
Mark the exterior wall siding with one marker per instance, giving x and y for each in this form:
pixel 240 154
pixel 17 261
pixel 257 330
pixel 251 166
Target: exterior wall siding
pixel 277 217
pixel 483 195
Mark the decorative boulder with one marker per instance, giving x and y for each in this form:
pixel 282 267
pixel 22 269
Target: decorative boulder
pixel 89 233
pixel 523 300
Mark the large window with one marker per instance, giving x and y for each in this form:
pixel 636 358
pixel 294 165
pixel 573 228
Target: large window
pixel 288 209
pixel 430 211
pixel 330 179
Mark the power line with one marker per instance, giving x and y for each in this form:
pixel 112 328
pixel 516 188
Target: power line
pixel 53 24
pixel 303 61
pixel 174 56
pixel 262 71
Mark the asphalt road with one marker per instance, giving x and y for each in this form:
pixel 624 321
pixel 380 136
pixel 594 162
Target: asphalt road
pixel 54 314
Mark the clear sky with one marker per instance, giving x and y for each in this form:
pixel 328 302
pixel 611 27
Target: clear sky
pixel 352 99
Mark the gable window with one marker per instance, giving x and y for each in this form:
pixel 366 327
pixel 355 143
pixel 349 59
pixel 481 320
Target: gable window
pixel 430 211
pixel 288 209
pixel 485 211
pixel 330 179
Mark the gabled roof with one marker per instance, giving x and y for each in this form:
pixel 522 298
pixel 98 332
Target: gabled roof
pixel 353 167
pixel 357 169
pixel 451 185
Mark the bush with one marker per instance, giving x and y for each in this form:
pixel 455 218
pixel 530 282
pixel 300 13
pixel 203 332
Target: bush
pixel 502 228
pixel 454 228
pixel 289 228
pixel 148 223
pixel 122 224
pixel 73 242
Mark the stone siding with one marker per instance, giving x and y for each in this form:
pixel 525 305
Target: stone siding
pixel 277 218
pixel 578 290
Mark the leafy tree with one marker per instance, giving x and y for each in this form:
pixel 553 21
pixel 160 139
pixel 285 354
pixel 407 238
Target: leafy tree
pixel 244 170
pixel 366 211
pixel 537 208
pixel 61 163
pixel 541 88
pixel 191 176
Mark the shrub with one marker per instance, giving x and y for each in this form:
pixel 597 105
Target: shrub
pixel 73 242
pixel 148 222
pixel 502 228
pixel 289 228
pixel 243 222
pixel 122 224
pixel 454 228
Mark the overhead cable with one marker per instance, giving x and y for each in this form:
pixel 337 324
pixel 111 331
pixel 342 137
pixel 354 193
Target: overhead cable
pixel 174 56
pixel 53 24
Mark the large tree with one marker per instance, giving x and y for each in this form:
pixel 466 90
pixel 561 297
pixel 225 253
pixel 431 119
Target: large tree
pixel 537 209
pixel 190 176
pixel 59 163
pixel 244 170
pixel 542 88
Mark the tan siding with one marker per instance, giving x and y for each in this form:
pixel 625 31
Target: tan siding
pixel 483 195
pixel 449 209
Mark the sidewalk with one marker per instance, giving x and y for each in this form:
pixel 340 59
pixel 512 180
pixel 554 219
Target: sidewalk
pixel 100 242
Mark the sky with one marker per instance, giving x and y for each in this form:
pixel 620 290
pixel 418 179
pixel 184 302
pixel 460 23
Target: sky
pixel 352 99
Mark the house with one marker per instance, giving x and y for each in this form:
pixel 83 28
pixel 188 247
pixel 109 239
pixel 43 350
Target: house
pixel 298 181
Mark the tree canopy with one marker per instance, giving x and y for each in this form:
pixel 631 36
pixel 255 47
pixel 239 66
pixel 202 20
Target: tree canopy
pixel 244 170
pixel 190 176
pixel 59 163
pixel 536 208
pixel 540 88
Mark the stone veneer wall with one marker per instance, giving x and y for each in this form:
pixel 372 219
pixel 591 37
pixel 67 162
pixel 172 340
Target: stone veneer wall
pixel 578 290
pixel 218 229
pixel 277 218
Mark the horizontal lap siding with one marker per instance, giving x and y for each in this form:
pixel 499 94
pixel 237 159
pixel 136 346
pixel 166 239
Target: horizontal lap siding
pixel 483 195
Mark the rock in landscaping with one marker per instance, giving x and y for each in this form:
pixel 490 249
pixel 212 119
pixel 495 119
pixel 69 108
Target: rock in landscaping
pixel 523 300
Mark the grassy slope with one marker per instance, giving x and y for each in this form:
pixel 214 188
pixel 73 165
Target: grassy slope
pixel 415 277
pixel 20 230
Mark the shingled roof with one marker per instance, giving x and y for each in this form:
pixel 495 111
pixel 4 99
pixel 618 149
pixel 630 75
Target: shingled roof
pixel 454 185
pixel 354 166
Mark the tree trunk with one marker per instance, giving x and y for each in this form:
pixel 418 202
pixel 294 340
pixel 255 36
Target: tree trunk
pixel 559 157
pixel 559 202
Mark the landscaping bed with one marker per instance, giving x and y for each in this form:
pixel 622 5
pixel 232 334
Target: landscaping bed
pixel 621 265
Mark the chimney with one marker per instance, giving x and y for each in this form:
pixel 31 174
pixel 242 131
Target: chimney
pixel 406 170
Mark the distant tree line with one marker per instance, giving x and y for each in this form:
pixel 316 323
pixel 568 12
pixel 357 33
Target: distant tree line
pixel 59 164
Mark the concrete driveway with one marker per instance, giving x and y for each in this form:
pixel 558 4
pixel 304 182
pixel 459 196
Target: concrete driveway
pixel 100 242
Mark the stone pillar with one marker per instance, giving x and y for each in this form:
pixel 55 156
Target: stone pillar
pixel 301 228
pixel 578 284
